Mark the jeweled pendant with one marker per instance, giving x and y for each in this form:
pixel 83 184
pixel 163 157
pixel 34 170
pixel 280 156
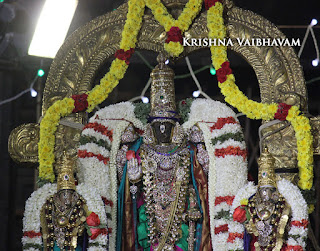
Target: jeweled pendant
pixel 162 128
pixel 62 221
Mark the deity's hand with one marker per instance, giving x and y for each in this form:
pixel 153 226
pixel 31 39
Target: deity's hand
pixel 121 160
pixel 203 157
pixel 129 135
pixel 134 170
pixel 121 155
pixel 196 135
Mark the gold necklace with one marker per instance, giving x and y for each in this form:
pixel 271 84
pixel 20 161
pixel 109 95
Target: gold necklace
pixel 173 223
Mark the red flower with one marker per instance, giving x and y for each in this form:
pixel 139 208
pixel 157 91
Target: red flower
pixel 106 201
pixel 93 220
pixel 233 236
pixel 239 214
pixel 174 35
pixel 227 199
pixel 124 55
pixel 97 231
pixel 80 102
pixel 31 234
pixel 221 122
pixel 130 154
pixel 282 111
pixel 210 3
pixel 303 223
pixel 221 229
pixel 231 150
pixel 294 248
pixel 223 72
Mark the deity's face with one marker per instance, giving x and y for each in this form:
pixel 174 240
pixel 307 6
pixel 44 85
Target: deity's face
pixel 268 194
pixel 66 197
pixel 162 131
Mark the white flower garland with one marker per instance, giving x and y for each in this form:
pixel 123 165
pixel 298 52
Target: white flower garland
pixel 104 176
pixel 223 171
pixel 293 197
pixel 91 132
pixel 95 174
pixel 96 205
pixel 299 209
pixel 31 218
pixel 120 111
pixel 244 193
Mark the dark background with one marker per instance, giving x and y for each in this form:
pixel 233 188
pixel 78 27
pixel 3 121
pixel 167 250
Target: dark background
pixel 17 71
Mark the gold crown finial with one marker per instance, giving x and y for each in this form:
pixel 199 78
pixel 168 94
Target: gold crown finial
pixel 163 104
pixel 65 179
pixel 266 176
pixel 161 60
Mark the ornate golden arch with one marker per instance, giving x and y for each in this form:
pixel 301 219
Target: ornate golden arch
pixel 73 71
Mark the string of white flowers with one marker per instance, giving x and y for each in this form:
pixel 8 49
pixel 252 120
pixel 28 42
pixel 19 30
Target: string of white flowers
pixel 204 110
pixel 111 115
pixel 93 248
pixel 244 192
pixel 93 201
pixel 32 249
pixel 31 240
pixel 95 173
pixel 96 205
pixel 116 117
pixel 96 149
pixel 91 132
pixel 299 211
pixel 31 219
pixel 235 167
pixel 235 227
pixel 227 128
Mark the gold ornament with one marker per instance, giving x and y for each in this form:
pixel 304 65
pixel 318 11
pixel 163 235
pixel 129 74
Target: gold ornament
pixel 163 104
pixel 266 176
pixel 65 179
pixel 177 134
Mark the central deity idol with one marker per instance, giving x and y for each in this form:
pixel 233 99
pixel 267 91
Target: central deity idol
pixel 162 176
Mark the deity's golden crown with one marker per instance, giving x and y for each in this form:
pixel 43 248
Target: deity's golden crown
pixel 65 177
pixel 163 103
pixel 266 176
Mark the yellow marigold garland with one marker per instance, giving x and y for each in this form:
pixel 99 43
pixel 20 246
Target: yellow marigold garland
pixel 256 110
pixel 98 94
pixel 160 12
pixel 233 95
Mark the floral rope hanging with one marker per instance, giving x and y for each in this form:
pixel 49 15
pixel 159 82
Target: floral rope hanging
pixel 173 45
pixel 256 110
pixel 174 28
pixel 87 101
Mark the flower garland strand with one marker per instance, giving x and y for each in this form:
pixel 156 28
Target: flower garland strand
pixel 174 28
pixel 256 110
pixel 87 101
